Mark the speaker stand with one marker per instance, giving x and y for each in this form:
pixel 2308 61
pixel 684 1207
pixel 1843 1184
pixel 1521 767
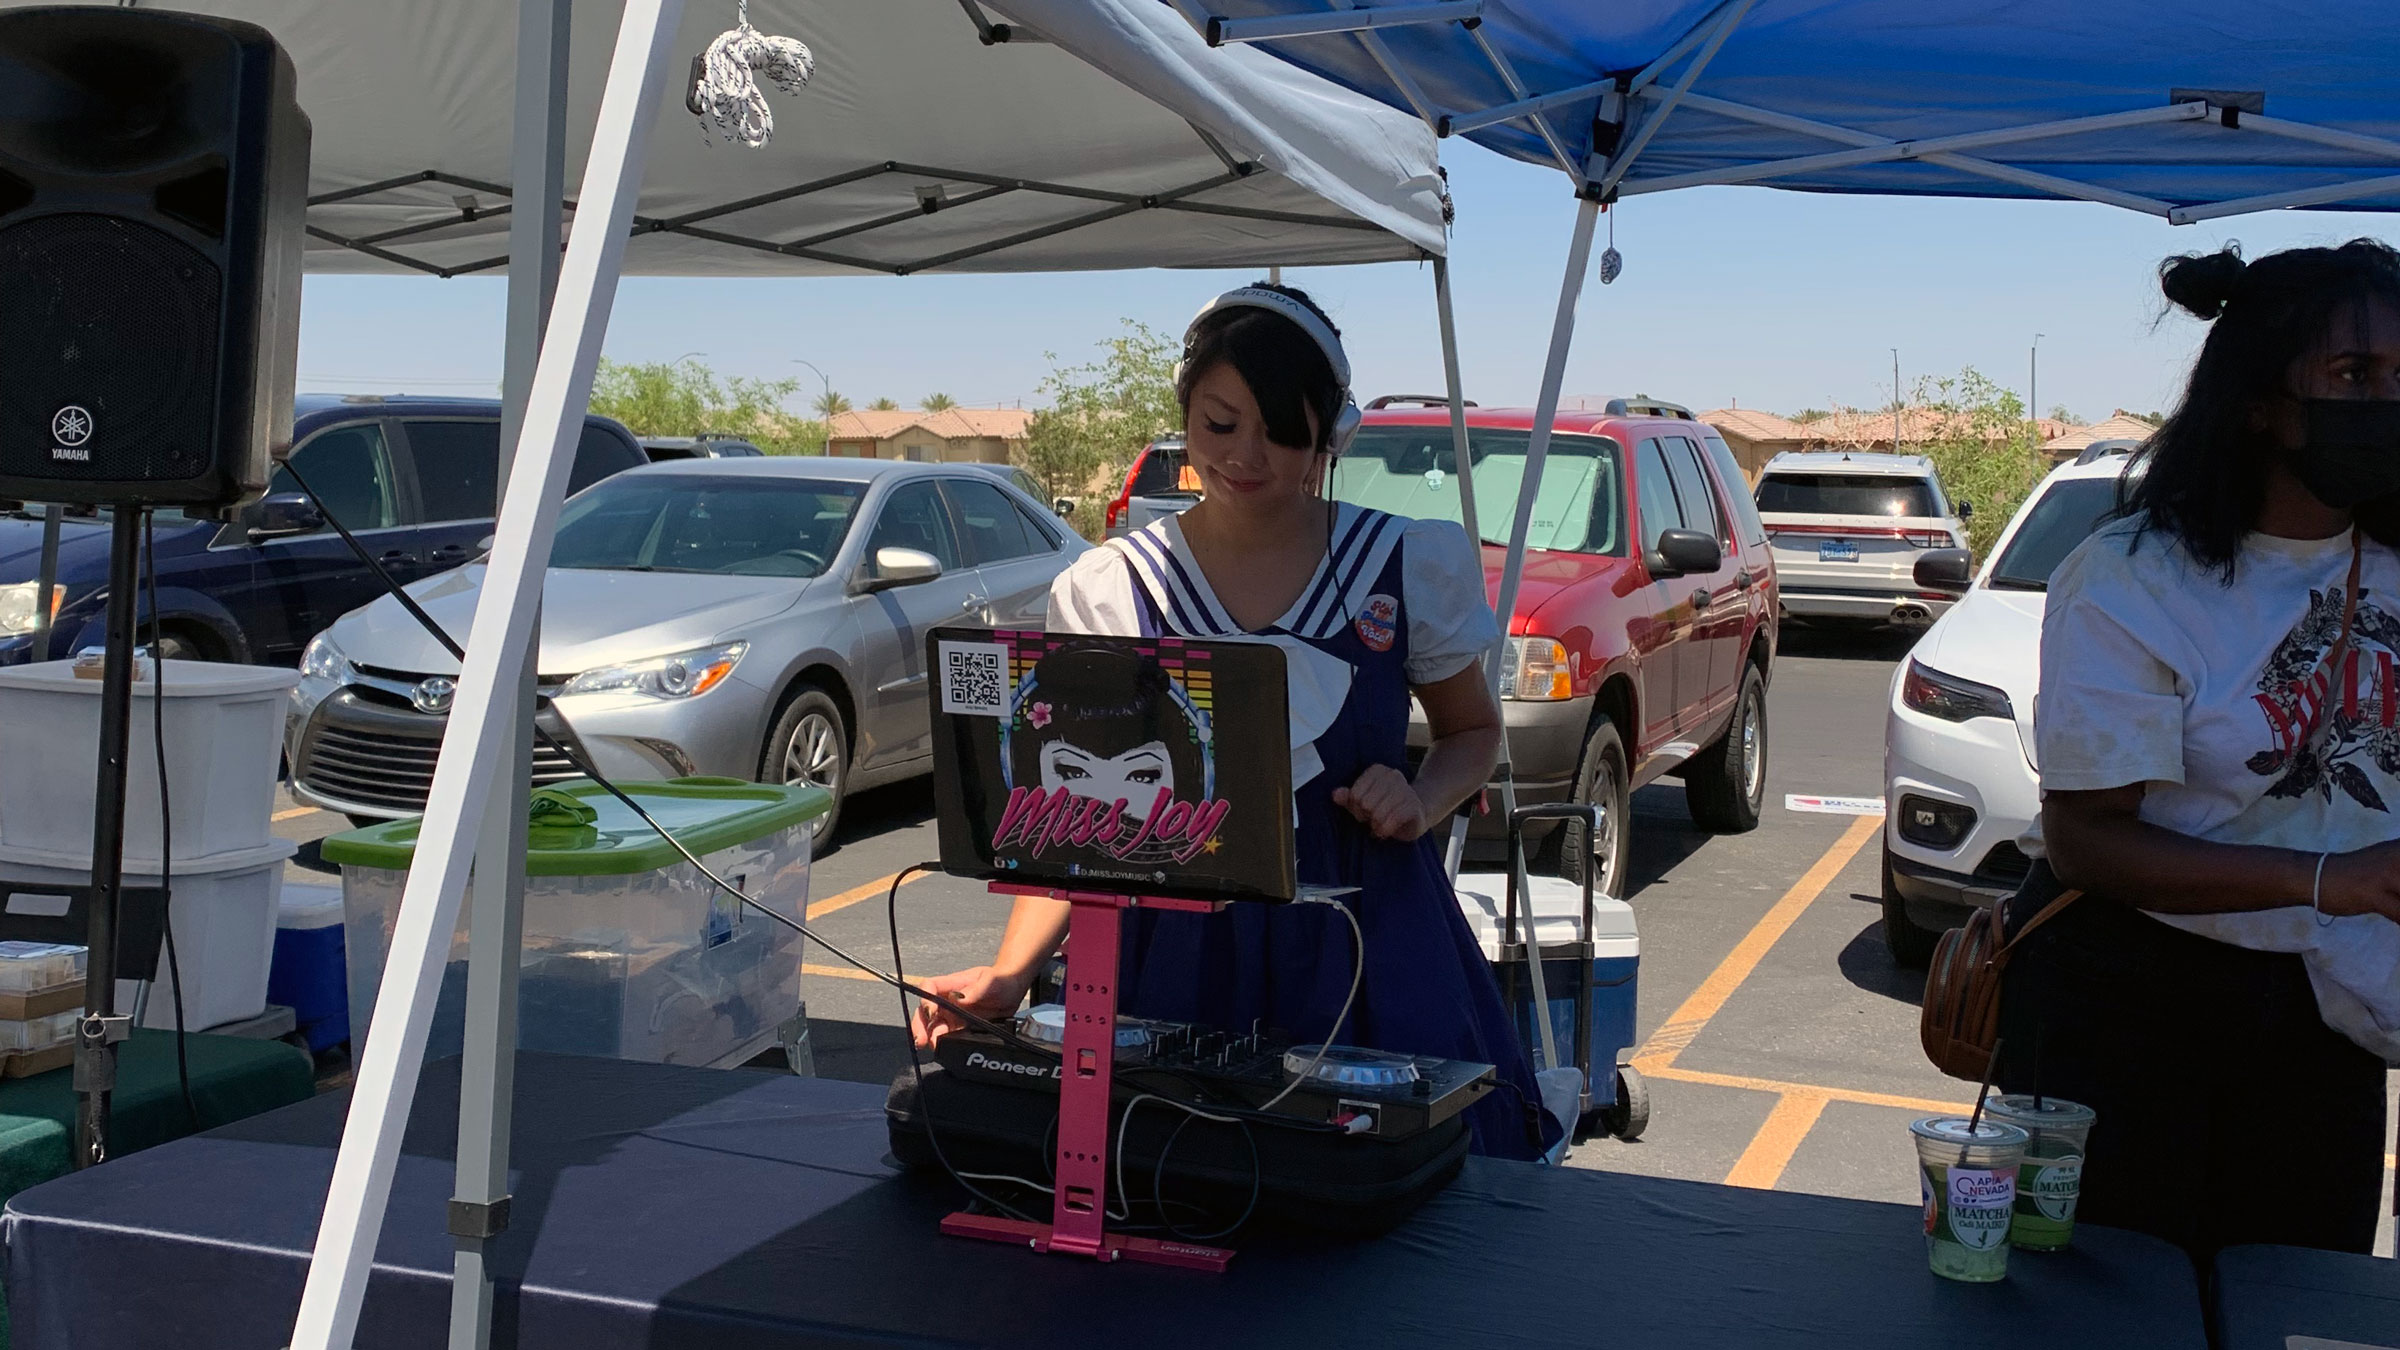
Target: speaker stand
pixel 99 1031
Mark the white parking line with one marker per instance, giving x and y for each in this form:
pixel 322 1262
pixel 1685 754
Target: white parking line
pixel 1834 806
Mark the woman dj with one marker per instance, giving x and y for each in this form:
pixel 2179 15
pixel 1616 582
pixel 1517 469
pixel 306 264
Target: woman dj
pixel 1371 610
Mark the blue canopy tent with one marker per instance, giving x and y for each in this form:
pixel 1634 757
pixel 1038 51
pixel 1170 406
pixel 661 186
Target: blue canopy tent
pixel 2190 112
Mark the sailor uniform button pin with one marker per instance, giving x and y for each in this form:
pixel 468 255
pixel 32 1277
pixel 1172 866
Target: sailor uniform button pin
pixel 1378 622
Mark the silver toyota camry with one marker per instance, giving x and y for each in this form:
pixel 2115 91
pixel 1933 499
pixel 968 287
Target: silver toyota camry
pixel 750 618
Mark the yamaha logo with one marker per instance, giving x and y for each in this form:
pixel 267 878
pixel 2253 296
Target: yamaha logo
pixel 434 695
pixel 71 425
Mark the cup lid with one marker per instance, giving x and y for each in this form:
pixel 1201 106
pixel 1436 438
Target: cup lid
pixel 1960 1130
pixel 2052 1112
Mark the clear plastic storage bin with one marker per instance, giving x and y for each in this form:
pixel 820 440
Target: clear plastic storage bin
pixel 30 967
pixel 629 952
pixel 38 1033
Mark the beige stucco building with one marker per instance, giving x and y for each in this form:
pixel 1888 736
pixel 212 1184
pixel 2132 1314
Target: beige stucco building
pixel 951 436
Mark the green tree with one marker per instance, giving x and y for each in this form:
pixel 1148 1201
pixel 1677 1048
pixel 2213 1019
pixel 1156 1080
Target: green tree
pixel 938 403
pixel 686 398
pixel 829 404
pixel 1100 414
pixel 1808 415
pixel 883 405
pixel 2059 412
pixel 1979 448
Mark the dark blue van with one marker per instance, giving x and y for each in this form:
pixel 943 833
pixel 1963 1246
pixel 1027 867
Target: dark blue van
pixel 416 479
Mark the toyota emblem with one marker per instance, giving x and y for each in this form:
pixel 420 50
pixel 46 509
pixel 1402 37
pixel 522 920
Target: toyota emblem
pixel 71 425
pixel 434 695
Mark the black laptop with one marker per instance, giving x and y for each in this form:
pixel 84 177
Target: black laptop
pixel 1152 766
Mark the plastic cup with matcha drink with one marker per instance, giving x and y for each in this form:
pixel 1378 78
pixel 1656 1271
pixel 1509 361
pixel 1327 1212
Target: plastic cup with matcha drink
pixel 1968 1174
pixel 2051 1177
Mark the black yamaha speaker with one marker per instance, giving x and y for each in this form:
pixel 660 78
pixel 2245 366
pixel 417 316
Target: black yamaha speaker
pixel 153 181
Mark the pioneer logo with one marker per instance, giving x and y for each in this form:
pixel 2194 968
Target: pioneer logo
pixel 980 1060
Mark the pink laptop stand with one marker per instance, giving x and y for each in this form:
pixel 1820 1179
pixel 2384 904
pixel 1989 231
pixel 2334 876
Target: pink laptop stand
pixel 1079 1208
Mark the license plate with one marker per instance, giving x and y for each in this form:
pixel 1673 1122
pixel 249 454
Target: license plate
pixel 1837 550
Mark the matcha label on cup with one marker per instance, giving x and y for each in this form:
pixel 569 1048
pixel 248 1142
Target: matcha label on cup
pixel 1981 1202
pixel 2055 1183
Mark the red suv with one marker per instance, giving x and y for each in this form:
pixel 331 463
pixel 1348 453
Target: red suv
pixel 1644 631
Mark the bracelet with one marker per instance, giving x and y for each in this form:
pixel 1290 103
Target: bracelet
pixel 2316 893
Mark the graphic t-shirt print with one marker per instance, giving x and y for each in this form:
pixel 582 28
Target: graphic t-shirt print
pixel 2326 726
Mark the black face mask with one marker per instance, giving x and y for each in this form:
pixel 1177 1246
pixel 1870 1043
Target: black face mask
pixel 2352 452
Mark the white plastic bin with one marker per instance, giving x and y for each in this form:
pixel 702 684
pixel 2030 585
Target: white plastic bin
pixel 30 967
pixel 224 731
pixel 629 952
pixel 223 912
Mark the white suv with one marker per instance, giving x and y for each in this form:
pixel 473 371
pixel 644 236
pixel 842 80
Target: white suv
pixel 1847 528
pixel 1958 753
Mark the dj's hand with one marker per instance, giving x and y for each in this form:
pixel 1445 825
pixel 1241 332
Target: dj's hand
pixel 1384 801
pixel 980 990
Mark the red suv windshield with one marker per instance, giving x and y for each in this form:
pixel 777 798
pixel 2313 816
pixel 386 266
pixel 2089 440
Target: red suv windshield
pixel 1410 471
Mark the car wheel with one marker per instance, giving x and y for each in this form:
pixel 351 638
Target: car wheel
pixel 810 745
pixel 1911 946
pixel 176 645
pixel 1726 784
pixel 1601 780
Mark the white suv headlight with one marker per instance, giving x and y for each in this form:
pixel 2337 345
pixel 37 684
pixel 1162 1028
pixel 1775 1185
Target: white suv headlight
pixel 322 660
pixel 20 606
pixel 681 675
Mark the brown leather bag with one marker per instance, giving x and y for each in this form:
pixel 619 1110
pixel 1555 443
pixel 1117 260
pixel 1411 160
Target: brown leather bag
pixel 1961 1018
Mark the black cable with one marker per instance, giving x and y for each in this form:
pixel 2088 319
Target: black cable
pixel 166 817
pixel 1158 1177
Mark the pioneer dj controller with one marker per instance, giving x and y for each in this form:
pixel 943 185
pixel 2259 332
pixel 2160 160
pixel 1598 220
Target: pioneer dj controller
pixel 1397 1096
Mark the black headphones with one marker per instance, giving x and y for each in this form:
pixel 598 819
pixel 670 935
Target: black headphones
pixel 1347 418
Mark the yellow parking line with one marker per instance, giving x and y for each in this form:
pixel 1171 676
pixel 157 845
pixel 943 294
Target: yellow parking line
pixel 1662 1068
pixel 1686 1022
pixel 1761 1165
pixel 870 891
pixel 296 812
pixel 839 973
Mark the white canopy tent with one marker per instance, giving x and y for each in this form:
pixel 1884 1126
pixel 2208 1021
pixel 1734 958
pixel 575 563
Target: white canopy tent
pixel 948 135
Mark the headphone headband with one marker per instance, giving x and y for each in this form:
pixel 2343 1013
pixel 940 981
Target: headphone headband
pixel 1346 419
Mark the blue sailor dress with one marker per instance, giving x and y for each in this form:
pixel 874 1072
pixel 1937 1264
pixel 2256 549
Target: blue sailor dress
pixel 1387 585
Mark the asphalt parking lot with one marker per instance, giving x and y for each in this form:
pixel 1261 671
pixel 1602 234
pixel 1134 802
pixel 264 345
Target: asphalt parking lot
pixel 1779 1041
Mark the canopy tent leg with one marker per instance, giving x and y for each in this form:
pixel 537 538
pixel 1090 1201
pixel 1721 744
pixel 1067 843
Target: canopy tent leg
pixel 1537 451
pixel 498 646
pixel 1455 856
pixel 488 1067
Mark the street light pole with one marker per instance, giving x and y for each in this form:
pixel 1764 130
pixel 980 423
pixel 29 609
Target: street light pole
pixel 828 405
pixel 2033 390
pixel 1895 400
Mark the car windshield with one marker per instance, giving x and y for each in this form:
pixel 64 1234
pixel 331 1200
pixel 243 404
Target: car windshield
pixel 2057 521
pixel 1845 494
pixel 1411 471
pixel 681 522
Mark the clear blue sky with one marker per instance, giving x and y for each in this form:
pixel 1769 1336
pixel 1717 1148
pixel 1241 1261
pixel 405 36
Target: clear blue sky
pixel 1779 300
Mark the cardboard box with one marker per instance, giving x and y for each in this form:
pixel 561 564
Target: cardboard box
pixel 56 999
pixel 40 1061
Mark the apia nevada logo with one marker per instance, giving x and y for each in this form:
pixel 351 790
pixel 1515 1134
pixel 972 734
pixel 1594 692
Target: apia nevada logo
pixel 1038 820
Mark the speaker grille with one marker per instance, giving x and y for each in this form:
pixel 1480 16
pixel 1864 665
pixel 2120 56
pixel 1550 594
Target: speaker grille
pixel 119 319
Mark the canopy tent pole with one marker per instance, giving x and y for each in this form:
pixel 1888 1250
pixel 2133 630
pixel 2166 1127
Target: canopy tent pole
pixel 1464 465
pixel 496 926
pixel 498 646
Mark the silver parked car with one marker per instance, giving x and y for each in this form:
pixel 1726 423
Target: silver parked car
pixel 751 618
pixel 1847 528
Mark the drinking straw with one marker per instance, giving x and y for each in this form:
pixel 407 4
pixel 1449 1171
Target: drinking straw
pixel 2041 1033
pixel 1975 1118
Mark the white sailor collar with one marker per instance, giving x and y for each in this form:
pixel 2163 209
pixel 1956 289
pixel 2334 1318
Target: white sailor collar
pixel 1164 566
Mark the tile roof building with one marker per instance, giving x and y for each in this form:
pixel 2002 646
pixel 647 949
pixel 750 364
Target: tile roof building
pixel 951 436
pixel 2121 426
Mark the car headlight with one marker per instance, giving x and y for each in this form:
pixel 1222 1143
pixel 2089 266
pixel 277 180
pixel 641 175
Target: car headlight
pixel 1951 698
pixel 682 675
pixel 322 660
pixel 20 606
pixel 1535 668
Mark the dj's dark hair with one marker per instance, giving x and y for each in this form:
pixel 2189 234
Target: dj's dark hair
pixel 1285 368
pixel 2203 474
pixel 1105 701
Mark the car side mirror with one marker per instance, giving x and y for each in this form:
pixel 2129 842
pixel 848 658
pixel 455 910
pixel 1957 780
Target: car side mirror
pixel 900 567
pixel 1966 509
pixel 281 514
pixel 1950 570
pixel 1683 552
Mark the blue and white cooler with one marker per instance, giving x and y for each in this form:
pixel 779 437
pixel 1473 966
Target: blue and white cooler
pixel 1616 1101
pixel 310 974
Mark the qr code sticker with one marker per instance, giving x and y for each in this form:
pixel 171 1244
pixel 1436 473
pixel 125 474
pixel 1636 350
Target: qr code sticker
pixel 975 678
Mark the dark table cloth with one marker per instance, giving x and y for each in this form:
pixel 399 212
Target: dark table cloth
pixel 658 1206
pixel 2265 1295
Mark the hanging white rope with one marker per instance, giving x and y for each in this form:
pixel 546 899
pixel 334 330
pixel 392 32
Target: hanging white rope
pixel 725 80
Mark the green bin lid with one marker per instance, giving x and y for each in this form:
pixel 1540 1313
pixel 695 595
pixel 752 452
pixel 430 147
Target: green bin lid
pixel 705 814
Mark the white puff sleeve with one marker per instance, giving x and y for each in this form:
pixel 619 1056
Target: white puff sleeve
pixel 1094 596
pixel 2111 709
pixel 1450 623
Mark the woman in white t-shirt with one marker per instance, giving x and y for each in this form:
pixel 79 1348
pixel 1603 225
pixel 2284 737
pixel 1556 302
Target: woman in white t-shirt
pixel 1371 610
pixel 2219 740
